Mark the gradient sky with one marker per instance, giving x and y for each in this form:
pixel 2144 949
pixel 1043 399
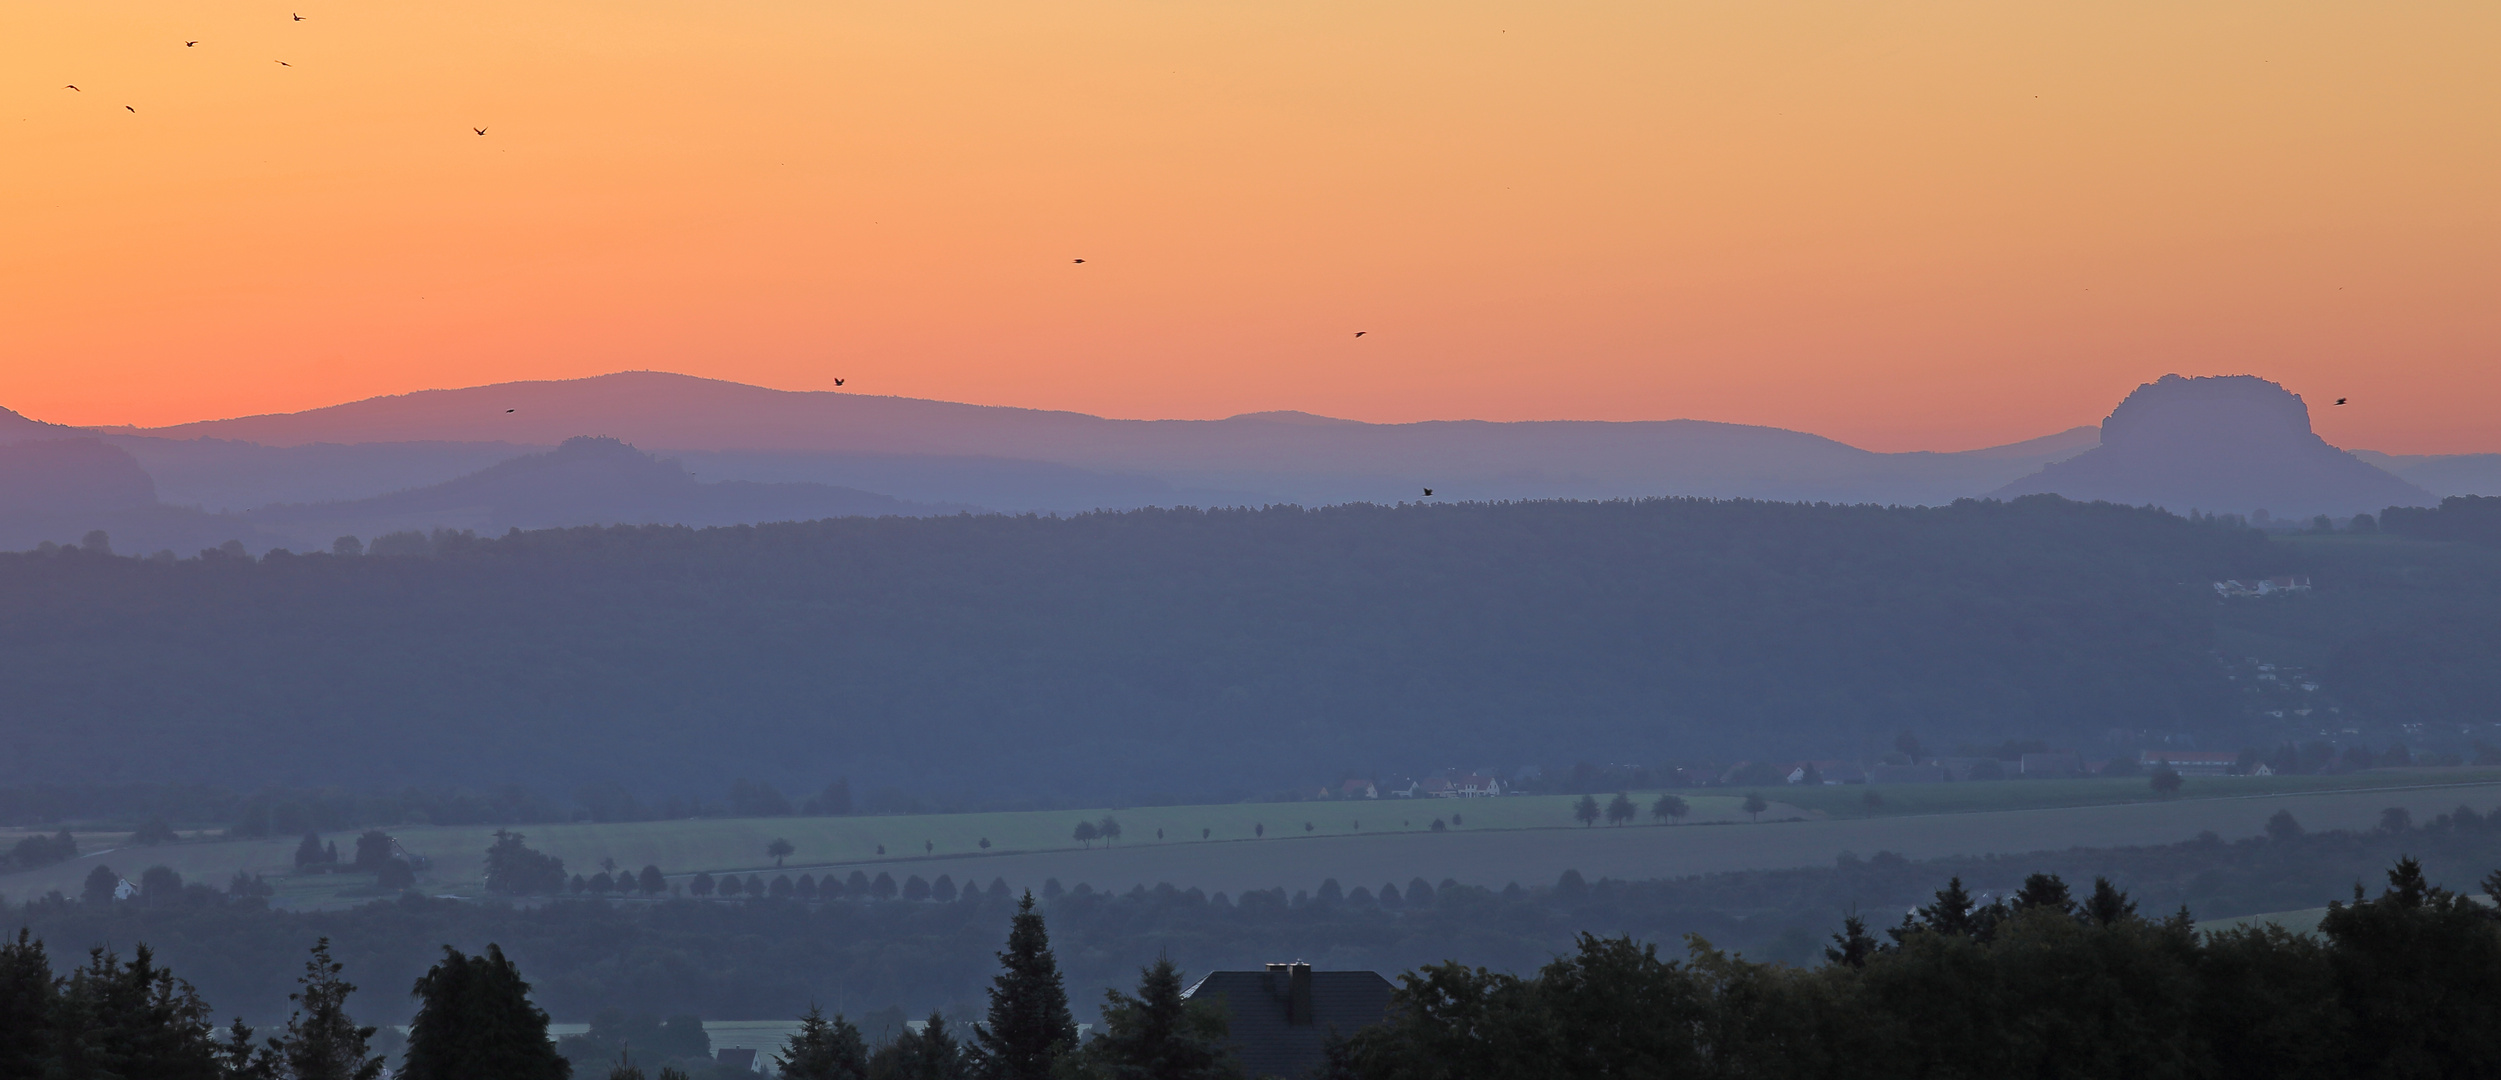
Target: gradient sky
pixel 1907 226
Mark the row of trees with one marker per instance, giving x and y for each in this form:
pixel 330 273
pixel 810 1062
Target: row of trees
pixel 2404 985
pixel 475 1018
pixel 1028 1032
pixel 2039 983
pixel 111 1018
pixel 1666 808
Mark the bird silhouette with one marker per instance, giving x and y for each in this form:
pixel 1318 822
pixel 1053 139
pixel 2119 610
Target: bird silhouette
pixel 1428 493
pixel 507 410
pixel 298 18
pixel 837 382
pixel 2340 401
pixel 130 108
pixel 283 63
pixel 75 88
pixel 1358 333
pixel 189 44
pixel 1080 260
pixel 480 131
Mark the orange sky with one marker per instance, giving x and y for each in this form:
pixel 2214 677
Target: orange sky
pixel 1905 226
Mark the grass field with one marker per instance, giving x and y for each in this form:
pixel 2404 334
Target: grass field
pixel 1238 846
pixel 1850 800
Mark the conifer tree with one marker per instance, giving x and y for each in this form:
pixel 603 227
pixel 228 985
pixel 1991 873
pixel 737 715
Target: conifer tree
pixel 2108 904
pixel 1852 946
pixel 824 1050
pixel 322 1042
pixel 134 1019
pixel 28 992
pixel 1029 1026
pixel 1159 1035
pixel 475 1019
pixel 2044 890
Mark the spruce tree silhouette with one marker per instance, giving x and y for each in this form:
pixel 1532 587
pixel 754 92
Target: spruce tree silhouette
pixel 1029 1026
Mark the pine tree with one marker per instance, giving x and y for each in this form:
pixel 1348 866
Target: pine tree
pixel 2044 890
pixel 28 996
pixel 1852 946
pixel 474 1019
pixel 132 1020
pixel 239 1058
pixel 1951 913
pixel 1159 1035
pixel 824 1050
pixel 2108 905
pixel 322 1042
pixel 1029 1025
pixel 309 852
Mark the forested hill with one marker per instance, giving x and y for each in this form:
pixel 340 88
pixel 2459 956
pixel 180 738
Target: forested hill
pixel 1118 656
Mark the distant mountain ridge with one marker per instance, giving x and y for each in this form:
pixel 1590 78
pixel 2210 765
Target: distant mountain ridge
pixel 16 428
pixel 2229 444
pixel 587 480
pixel 2236 443
pixel 1253 458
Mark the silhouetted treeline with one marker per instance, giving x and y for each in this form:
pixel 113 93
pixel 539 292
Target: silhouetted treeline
pixel 1119 657
pixel 2044 983
pixel 918 944
pixel 2048 981
pixel 2472 518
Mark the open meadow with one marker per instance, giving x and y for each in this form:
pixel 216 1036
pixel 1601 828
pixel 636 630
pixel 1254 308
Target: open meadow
pixel 1235 847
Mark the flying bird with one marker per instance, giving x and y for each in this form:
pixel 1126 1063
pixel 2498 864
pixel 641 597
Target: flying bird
pixel 283 63
pixel 1080 260
pixel 75 88
pixel 1358 333
pixel 2340 401
pixel 131 108
pixel 189 44
pixel 507 410
pixel 298 18
pixel 837 382
pixel 1428 493
pixel 480 131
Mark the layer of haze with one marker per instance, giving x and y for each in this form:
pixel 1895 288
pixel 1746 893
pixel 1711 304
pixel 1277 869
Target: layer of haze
pixel 1905 226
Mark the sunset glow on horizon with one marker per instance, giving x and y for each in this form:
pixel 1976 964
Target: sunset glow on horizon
pixel 1935 226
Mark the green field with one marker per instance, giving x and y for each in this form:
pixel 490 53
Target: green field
pixel 1850 800
pixel 1255 845
pixel 2304 921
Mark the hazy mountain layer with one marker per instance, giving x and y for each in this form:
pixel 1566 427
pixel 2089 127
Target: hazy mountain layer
pixel 62 489
pixel 586 481
pixel 1251 459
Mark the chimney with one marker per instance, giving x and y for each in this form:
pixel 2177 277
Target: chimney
pixel 1291 983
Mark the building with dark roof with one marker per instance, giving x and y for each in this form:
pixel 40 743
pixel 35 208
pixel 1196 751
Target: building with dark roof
pixel 1281 1018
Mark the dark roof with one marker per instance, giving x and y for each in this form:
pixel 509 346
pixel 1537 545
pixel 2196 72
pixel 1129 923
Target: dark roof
pixel 1267 1043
